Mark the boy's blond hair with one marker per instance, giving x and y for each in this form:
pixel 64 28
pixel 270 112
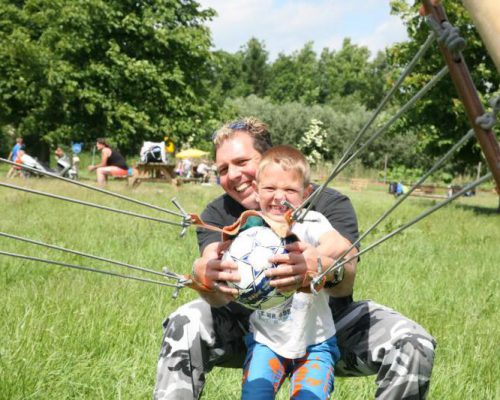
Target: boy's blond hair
pixel 288 158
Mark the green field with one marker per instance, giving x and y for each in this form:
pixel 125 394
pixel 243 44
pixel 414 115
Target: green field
pixel 70 334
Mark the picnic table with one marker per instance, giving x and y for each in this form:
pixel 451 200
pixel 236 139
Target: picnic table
pixel 155 172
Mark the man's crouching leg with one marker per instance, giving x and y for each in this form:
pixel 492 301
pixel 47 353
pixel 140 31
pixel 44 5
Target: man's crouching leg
pixel 188 334
pixel 374 339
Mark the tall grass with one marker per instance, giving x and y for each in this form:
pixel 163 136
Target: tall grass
pixel 72 334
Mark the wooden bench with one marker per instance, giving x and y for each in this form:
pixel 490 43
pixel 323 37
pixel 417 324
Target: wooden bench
pixel 428 191
pixel 358 184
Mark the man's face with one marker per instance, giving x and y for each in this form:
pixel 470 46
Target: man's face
pixel 276 185
pixel 237 162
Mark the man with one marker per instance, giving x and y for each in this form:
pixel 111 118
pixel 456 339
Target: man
pixel 372 338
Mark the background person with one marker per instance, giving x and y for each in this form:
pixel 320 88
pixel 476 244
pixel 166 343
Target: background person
pixel 60 155
pixel 372 339
pixel 186 168
pixel 203 171
pixel 13 156
pixel 112 163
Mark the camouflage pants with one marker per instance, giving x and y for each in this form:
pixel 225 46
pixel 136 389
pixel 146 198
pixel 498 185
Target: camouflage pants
pixel 373 340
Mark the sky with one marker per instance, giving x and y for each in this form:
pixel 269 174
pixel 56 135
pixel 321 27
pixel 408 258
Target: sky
pixel 286 25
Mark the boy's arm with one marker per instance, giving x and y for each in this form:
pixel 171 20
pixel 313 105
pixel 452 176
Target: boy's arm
pixel 302 257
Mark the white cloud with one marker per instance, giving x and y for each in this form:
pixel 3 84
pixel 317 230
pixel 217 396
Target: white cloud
pixel 387 33
pixel 286 25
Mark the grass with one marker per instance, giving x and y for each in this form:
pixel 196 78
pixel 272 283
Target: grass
pixel 69 334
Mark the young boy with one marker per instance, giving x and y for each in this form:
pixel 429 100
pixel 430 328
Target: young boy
pixel 13 157
pixel 297 338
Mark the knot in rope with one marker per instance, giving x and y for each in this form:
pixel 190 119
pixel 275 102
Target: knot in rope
pixel 488 120
pixel 447 34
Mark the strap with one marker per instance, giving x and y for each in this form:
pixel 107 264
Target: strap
pixel 245 221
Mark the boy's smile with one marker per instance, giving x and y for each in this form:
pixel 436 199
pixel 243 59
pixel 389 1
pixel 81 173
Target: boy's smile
pixel 276 185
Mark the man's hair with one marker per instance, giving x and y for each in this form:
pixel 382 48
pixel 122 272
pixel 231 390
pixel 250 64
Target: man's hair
pixel 103 141
pixel 255 128
pixel 288 158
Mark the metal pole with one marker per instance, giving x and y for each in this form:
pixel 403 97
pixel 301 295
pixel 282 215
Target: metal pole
pixel 462 80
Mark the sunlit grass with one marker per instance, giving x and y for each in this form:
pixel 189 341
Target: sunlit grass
pixel 71 334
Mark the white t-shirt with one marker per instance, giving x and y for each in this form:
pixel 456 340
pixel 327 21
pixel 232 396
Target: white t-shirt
pixel 304 319
pixel 202 168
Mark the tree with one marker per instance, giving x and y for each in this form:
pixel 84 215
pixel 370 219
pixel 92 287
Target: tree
pixel 127 70
pixel 254 66
pixel 294 78
pixel 440 119
pixel 227 76
pixel 349 74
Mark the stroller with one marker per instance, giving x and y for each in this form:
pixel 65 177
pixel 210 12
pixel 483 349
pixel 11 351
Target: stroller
pixel 67 168
pixel 26 159
pixel 64 167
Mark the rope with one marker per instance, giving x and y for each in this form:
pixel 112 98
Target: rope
pixel 299 214
pixel 340 263
pixel 83 268
pixel 488 120
pixel 52 175
pixel 447 34
pixel 421 52
pixel 54 196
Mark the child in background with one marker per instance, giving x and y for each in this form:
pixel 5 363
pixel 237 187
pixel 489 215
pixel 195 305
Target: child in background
pixel 13 157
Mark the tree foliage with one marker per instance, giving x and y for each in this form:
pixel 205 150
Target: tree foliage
pixel 439 119
pixel 294 78
pixel 289 122
pixel 81 69
pixel 339 78
pixel 349 73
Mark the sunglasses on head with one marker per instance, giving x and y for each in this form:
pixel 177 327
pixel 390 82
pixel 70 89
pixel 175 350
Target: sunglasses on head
pixel 235 126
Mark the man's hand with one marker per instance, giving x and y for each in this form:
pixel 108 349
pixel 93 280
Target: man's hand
pixel 211 271
pixel 291 272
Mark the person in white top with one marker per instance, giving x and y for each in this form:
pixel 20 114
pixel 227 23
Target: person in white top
pixel 296 338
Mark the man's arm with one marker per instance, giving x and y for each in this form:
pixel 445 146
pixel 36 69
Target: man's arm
pixel 332 245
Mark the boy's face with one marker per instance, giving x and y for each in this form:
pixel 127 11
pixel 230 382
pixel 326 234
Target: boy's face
pixel 275 185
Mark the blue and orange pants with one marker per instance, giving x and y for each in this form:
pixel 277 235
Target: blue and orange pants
pixel 311 376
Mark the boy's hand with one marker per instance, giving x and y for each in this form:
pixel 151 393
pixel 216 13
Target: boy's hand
pixel 291 272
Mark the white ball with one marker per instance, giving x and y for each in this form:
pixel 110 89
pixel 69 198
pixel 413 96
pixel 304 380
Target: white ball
pixel 251 250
